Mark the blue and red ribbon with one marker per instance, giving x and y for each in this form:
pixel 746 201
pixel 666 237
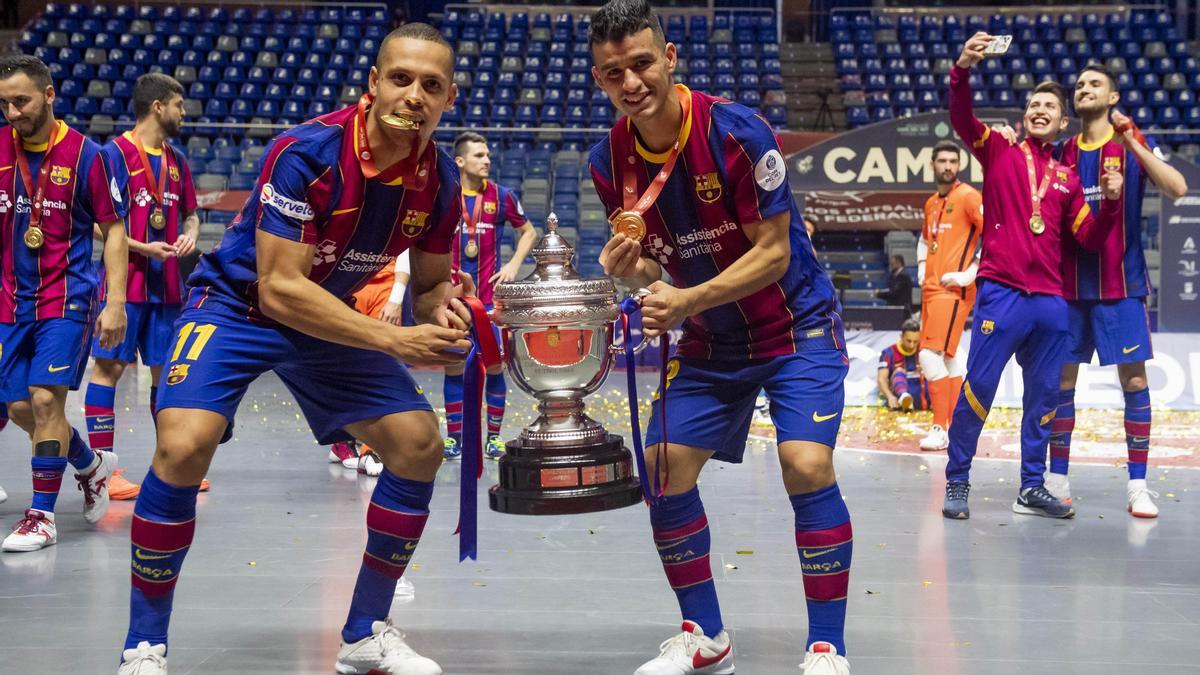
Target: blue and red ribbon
pixel 484 354
pixel 629 307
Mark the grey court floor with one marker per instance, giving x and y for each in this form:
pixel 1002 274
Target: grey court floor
pixel 268 580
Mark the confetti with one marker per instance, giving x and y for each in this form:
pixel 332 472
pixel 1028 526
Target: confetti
pixel 927 584
pixel 252 564
pixel 745 552
pixel 871 592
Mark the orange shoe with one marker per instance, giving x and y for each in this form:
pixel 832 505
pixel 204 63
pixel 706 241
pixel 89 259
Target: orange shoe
pixel 122 489
pixel 204 485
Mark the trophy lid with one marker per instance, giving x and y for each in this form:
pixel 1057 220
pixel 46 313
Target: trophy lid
pixel 555 283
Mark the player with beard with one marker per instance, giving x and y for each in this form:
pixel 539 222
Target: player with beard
pixel 54 188
pixel 162 227
pixel 1106 290
pixel 338 198
pixel 947 262
pixel 1032 207
pixel 697 188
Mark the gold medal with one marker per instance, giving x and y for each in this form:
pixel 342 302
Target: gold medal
pixel 398 122
pixel 157 221
pixel 629 223
pixel 471 249
pixel 34 237
pixel 934 247
pixel 1036 224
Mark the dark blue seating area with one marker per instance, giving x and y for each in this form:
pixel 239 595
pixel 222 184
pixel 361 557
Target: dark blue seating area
pixel 896 66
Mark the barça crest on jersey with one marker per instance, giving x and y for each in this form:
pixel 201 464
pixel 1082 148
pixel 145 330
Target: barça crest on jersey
pixel 1112 164
pixel 178 373
pixel 60 175
pixel 1061 175
pixel 489 207
pixel 413 223
pixel 173 172
pixel 987 327
pixel 708 187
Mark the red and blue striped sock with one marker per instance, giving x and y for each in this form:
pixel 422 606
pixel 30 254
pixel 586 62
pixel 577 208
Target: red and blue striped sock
pixel 78 453
pixel 98 405
pixel 1137 431
pixel 47 478
pixel 452 393
pixel 825 543
pixel 683 541
pixel 497 391
pixel 164 522
pixel 1060 432
pixel 395 519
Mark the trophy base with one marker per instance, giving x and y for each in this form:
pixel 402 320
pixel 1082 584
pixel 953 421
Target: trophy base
pixel 541 481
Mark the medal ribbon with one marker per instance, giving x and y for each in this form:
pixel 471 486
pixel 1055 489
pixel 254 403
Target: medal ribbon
pixel 630 307
pixel 37 196
pixel 414 169
pixel 629 177
pixel 1037 192
pixel 159 187
pixel 473 219
pixel 484 354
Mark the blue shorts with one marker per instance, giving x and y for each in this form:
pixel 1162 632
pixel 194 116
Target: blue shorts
pixel 49 352
pixel 1118 329
pixel 217 356
pixel 149 333
pixel 710 403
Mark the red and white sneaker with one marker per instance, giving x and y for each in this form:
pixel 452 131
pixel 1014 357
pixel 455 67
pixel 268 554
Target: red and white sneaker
pixel 34 532
pixel 94 486
pixel 822 659
pixel 369 464
pixel 340 452
pixel 692 652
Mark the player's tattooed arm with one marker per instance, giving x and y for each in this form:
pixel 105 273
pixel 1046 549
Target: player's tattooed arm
pixel 286 294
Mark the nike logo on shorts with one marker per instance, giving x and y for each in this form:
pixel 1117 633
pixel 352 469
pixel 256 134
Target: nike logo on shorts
pixel 1128 350
pixel 57 369
pixel 823 418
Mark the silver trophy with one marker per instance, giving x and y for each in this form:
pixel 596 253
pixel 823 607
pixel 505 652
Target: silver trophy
pixel 557 329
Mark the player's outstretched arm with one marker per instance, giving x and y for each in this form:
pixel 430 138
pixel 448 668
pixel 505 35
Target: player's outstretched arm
pixel 766 262
pixel 287 295
pixel 974 133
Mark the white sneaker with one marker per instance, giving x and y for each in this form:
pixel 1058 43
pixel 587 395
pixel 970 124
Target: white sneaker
pixel 145 660
pixel 906 401
pixel 370 464
pixel 34 532
pixel 1060 486
pixel 3 496
pixel 385 651
pixel 94 486
pixel 936 439
pixel 692 652
pixel 1141 502
pixel 822 659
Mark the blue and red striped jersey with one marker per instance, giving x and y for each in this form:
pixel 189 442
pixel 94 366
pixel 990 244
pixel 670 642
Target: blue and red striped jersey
pixel 500 206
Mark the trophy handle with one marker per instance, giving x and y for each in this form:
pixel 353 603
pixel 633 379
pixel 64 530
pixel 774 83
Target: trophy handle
pixel 638 295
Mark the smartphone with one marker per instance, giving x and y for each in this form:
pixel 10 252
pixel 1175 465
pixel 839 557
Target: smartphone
pixel 998 46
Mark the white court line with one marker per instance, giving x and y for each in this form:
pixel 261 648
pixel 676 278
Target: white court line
pixel 917 453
